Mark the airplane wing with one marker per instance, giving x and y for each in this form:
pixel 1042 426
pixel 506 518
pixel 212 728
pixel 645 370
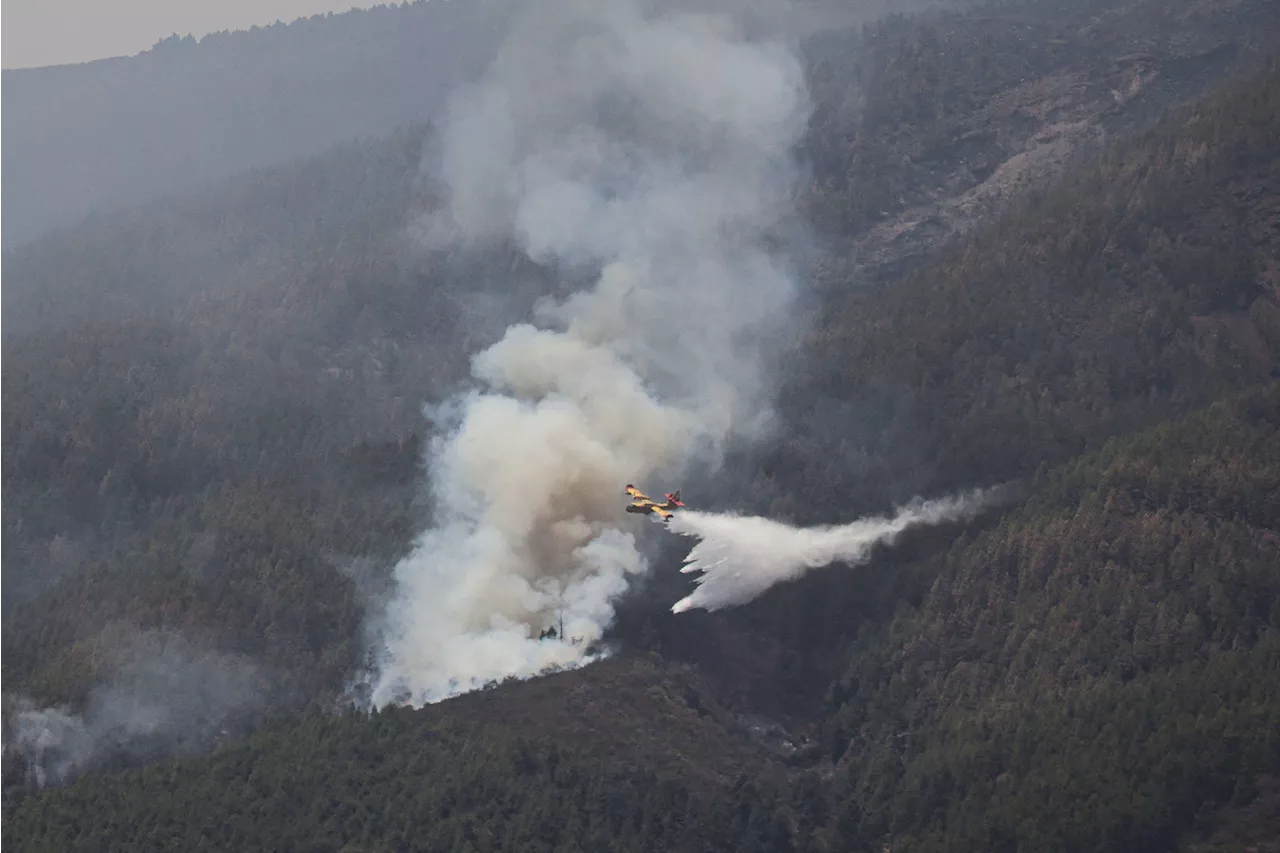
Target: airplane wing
pixel 637 495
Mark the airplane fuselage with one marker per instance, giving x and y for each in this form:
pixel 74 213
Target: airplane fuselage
pixel 643 504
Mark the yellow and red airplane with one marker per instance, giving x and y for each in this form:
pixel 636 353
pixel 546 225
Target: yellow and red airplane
pixel 642 503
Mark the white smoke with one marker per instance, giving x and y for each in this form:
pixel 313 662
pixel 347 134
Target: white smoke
pixel 161 695
pixel 740 557
pixel 653 151
pixel 54 742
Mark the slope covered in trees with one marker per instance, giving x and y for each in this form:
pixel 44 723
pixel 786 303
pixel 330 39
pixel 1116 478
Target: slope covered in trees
pixel 925 126
pixel 237 234
pixel 1095 671
pixel 922 127
pixel 1139 285
pixel 624 758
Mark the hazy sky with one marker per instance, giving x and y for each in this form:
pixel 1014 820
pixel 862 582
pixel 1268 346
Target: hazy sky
pixel 53 32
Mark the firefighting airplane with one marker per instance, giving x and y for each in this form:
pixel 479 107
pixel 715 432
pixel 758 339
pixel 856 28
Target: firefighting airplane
pixel 642 503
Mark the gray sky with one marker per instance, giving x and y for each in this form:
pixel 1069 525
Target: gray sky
pixel 53 32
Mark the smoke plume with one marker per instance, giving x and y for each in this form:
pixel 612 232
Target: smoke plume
pixel 161 695
pixel 740 557
pixel 650 154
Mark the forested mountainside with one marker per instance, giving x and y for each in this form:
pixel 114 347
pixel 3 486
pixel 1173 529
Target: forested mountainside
pixel 217 489
pixel 922 127
pixel 927 127
pixel 624 755
pixel 1133 288
pixel 252 229
pixel 1096 672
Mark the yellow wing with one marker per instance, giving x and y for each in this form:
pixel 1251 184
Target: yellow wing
pixel 637 495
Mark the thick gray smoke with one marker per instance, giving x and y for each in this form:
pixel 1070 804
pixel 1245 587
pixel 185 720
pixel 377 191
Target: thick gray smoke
pixel 654 152
pixel 740 557
pixel 161 695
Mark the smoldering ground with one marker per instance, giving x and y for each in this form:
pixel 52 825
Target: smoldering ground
pixel 651 150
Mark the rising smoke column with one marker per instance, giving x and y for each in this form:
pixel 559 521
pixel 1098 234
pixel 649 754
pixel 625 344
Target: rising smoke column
pixel 653 151
pixel 739 557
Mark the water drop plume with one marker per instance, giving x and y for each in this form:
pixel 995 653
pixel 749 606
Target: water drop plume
pixel 738 558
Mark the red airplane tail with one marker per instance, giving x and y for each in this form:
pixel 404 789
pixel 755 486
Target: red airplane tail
pixel 674 498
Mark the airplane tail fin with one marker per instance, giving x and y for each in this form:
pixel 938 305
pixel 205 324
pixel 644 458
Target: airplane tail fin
pixel 674 497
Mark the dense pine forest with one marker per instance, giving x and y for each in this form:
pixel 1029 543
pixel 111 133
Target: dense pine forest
pixel 1045 252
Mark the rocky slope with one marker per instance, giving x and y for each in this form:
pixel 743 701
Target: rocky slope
pixel 1054 87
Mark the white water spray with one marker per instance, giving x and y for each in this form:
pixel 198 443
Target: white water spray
pixel 739 557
